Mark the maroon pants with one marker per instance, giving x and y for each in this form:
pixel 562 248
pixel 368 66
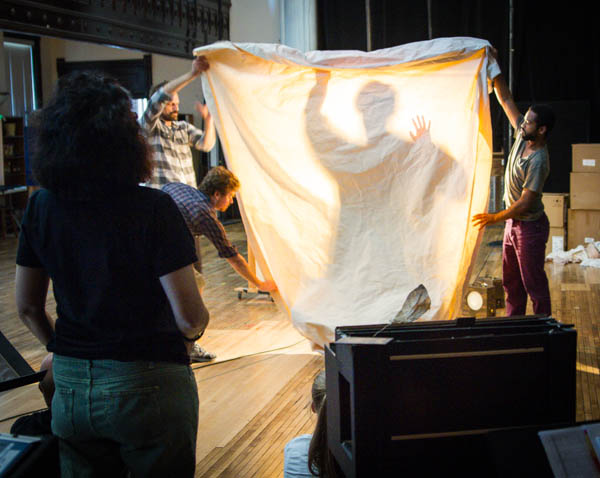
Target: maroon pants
pixel 523 254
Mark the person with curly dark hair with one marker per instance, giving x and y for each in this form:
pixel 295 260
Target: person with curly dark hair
pixel 120 257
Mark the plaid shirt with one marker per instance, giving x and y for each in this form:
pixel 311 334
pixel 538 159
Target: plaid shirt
pixel 200 216
pixel 172 155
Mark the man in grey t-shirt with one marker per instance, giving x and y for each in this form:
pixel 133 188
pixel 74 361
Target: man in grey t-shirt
pixel 527 228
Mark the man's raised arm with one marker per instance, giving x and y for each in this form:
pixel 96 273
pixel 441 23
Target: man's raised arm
pixel 199 65
pixel 505 97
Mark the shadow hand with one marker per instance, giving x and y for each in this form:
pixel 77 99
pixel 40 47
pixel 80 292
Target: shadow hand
pixel 421 127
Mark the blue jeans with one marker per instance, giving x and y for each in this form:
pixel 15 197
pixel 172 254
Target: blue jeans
pixel 113 417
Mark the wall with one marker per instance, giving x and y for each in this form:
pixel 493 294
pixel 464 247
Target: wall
pixel 163 67
pixel 250 21
pixel 53 48
pixel 256 21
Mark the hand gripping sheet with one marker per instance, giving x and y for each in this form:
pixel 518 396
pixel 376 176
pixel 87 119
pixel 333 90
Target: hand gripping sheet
pixel 342 208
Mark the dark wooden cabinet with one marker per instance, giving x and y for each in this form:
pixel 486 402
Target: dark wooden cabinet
pixel 423 395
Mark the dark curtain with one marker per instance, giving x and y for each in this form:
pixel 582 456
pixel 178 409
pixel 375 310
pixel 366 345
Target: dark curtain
pixel 556 55
pixel 388 20
pixel 557 61
pixel 341 25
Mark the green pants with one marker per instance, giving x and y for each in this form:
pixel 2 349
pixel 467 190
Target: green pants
pixel 116 417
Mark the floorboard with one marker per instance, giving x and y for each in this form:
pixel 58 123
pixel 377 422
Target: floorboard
pixel 256 396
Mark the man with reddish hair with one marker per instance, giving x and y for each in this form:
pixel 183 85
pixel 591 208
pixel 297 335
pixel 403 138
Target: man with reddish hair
pixel 198 207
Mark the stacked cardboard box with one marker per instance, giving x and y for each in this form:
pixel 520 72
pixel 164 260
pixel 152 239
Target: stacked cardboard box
pixel 584 214
pixel 555 206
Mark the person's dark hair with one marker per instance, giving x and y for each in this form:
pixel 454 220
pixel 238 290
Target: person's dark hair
pixel 219 179
pixel 89 141
pixel 320 461
pixel 155 88
pixel 545 116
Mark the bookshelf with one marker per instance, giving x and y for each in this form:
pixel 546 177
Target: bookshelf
pixel 13 190
pixel 13 152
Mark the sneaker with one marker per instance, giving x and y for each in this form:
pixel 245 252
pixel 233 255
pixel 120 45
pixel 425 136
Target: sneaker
pixel 198 354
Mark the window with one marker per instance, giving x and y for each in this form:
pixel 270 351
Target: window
pixel 19 55
pixel 299 24
pixel 138 106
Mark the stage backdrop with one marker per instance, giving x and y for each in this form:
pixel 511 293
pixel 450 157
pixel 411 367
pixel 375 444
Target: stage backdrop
pixel 343 209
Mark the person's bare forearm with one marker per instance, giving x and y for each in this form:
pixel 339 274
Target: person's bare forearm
pixel 515 210
pixel 31 289
pixel 210 136
pixel 191 315
pixel 520 206
pixel 199 65
pixel 174 86
pixel 240 265
pixel 39 323
pixel 506 100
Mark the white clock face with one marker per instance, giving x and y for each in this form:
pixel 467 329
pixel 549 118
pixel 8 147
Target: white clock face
pixel 474 300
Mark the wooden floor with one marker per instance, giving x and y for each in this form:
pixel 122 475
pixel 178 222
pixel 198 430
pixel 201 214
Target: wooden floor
pixel 256 396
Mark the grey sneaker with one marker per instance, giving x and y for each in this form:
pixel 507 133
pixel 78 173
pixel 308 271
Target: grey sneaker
pixel 198 354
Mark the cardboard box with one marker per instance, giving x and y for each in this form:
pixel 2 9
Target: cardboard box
pixel 584 227
pixel 585 191
pixel 555 206
pixel 586 158
pixel 557 240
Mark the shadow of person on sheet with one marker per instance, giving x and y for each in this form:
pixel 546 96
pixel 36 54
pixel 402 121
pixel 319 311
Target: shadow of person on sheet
pixel 388 188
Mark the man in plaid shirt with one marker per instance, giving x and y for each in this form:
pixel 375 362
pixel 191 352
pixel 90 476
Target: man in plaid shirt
pixel 198 207
pixel 171 139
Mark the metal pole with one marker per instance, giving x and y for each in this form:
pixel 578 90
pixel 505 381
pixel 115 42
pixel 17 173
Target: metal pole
pixel 429 20
pixel 368 22
pixel 511 50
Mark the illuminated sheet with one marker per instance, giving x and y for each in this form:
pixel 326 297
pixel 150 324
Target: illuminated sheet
pixel 342 208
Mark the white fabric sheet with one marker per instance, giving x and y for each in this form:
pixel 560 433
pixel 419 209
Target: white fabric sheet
pixel 342 209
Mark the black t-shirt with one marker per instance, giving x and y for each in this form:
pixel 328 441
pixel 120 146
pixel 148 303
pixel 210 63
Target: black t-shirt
pixel 105 258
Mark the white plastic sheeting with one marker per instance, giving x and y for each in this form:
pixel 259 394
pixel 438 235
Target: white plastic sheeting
pixel 342 208
pixel 586 256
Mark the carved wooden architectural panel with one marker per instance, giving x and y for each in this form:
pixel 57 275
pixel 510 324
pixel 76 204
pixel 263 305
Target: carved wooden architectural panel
pixel 168 27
